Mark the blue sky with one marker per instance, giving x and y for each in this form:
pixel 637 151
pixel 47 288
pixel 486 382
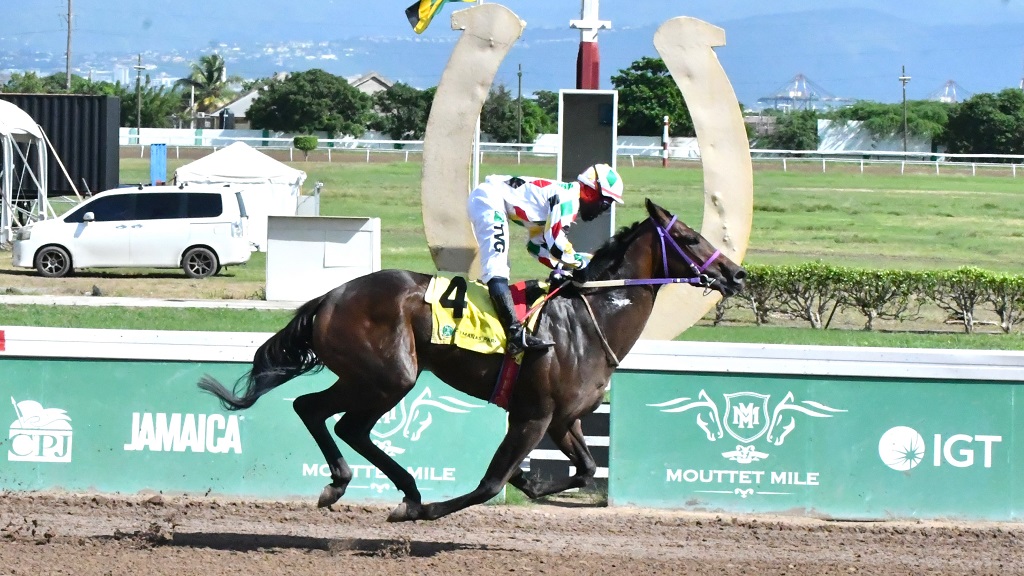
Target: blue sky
pixel 43 19
pixel 852 48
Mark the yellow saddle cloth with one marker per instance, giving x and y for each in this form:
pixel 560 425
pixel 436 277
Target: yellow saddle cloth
pixel 463 316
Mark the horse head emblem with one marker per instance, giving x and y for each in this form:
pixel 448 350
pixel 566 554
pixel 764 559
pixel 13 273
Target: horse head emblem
pixel 413 421
pixel 707 413
pixel 782 409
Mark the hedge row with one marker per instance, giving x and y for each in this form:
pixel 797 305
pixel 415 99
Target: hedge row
pixel 815 292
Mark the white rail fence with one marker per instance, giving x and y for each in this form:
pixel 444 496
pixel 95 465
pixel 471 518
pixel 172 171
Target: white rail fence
pixel 369 150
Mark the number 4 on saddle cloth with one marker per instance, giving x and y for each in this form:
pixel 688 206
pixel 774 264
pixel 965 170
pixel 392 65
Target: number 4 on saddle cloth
pixel 462 315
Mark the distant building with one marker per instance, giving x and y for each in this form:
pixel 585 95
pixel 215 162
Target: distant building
pixel 370 83
pixel 234 114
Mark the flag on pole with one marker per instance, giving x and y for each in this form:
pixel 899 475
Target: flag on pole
pixel 422 12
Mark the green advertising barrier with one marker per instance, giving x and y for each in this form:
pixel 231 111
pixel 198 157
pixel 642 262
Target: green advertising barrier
pixel 839 447
pixel 129 426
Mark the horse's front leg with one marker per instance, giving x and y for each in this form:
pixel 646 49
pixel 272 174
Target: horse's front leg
pixel 521 438
pixel 314 409
pixel 571 442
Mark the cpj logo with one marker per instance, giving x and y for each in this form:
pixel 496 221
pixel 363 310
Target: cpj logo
pixel 39 434
pixel 902 448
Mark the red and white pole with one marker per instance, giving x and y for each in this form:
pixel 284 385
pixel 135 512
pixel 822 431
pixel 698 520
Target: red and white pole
pixel 664 145
pixel 588 60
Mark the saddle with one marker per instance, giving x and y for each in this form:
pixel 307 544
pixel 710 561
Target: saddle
pixel 462 313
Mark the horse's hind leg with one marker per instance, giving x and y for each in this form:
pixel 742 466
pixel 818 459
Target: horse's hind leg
pixel 354 428
pixel 314 409
pixel 573 445
pixel 522 436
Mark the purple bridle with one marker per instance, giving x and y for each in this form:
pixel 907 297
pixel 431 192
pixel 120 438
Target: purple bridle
pixel 698 271
pixel 699 278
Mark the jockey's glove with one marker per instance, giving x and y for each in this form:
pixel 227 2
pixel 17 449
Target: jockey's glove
pixel 559 277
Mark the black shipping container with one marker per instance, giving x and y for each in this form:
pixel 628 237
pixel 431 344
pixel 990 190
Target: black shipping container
pixel 84 132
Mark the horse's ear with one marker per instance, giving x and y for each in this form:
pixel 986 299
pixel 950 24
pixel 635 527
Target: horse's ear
pixel 655 211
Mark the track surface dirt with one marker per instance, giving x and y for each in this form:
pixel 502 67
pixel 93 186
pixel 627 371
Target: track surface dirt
pixel 43 534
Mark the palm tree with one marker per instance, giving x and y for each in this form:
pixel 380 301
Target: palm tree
pixel 211 83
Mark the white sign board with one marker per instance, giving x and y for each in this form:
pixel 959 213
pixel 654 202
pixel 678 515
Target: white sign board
pixel 310 255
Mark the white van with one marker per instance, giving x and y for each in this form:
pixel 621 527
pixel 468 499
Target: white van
pixel 197 228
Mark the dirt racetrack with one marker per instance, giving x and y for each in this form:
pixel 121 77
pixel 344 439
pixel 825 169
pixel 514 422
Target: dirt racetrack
pixel 43 534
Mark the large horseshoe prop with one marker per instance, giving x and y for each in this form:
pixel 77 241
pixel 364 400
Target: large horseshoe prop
pixel 686 45
pixel 489 30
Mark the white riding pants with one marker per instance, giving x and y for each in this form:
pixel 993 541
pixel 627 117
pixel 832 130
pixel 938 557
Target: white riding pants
pixel 490 226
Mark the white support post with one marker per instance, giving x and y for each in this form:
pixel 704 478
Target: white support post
pixel 664 145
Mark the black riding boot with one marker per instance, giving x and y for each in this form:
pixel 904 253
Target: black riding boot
pixel 519 339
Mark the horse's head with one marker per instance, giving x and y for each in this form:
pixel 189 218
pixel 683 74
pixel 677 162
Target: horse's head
pixel 684 253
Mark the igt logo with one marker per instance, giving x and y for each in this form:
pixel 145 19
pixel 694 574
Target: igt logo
pixel 902 448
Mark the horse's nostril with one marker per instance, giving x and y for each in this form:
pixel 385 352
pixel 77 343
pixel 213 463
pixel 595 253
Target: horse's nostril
pixel 740 274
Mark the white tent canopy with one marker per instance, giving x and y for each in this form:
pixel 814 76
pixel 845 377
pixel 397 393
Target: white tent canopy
pixel 269 187
pixel 23 163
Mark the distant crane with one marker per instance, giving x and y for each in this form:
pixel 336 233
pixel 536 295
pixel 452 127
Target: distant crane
pixel 801 93
pixel 950 93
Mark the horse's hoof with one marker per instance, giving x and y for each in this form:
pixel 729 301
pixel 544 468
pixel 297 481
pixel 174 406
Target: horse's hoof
pixel 406 511
pixel 330 495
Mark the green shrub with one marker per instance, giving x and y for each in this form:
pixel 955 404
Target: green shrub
pixel 877 294
pixel 815 291
pixel 305 143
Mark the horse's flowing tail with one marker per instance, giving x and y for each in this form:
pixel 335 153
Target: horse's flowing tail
pixel 287 354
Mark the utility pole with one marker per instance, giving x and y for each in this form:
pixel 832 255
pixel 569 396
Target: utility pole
pixel 904 79
pixel 138 95
pixel 519 105
pixel 67 83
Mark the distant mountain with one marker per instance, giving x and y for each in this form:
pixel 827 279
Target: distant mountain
pixel 852 53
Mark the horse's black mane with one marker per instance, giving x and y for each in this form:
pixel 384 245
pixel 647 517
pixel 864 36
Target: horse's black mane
pixel 610 255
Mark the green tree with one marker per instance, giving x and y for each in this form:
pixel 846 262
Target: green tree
pixel 159 104
pixel 26 83
pixel 548 103
pixel 312 101
pixel 988 124
pixel 924 118
pixel 793 131
pixel 209 78
pixel 647 93
pixel 401 111
pixel 536 121
pixel 500 116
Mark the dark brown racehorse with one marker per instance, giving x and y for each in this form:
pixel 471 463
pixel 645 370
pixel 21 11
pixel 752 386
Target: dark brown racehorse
pixel 374 334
